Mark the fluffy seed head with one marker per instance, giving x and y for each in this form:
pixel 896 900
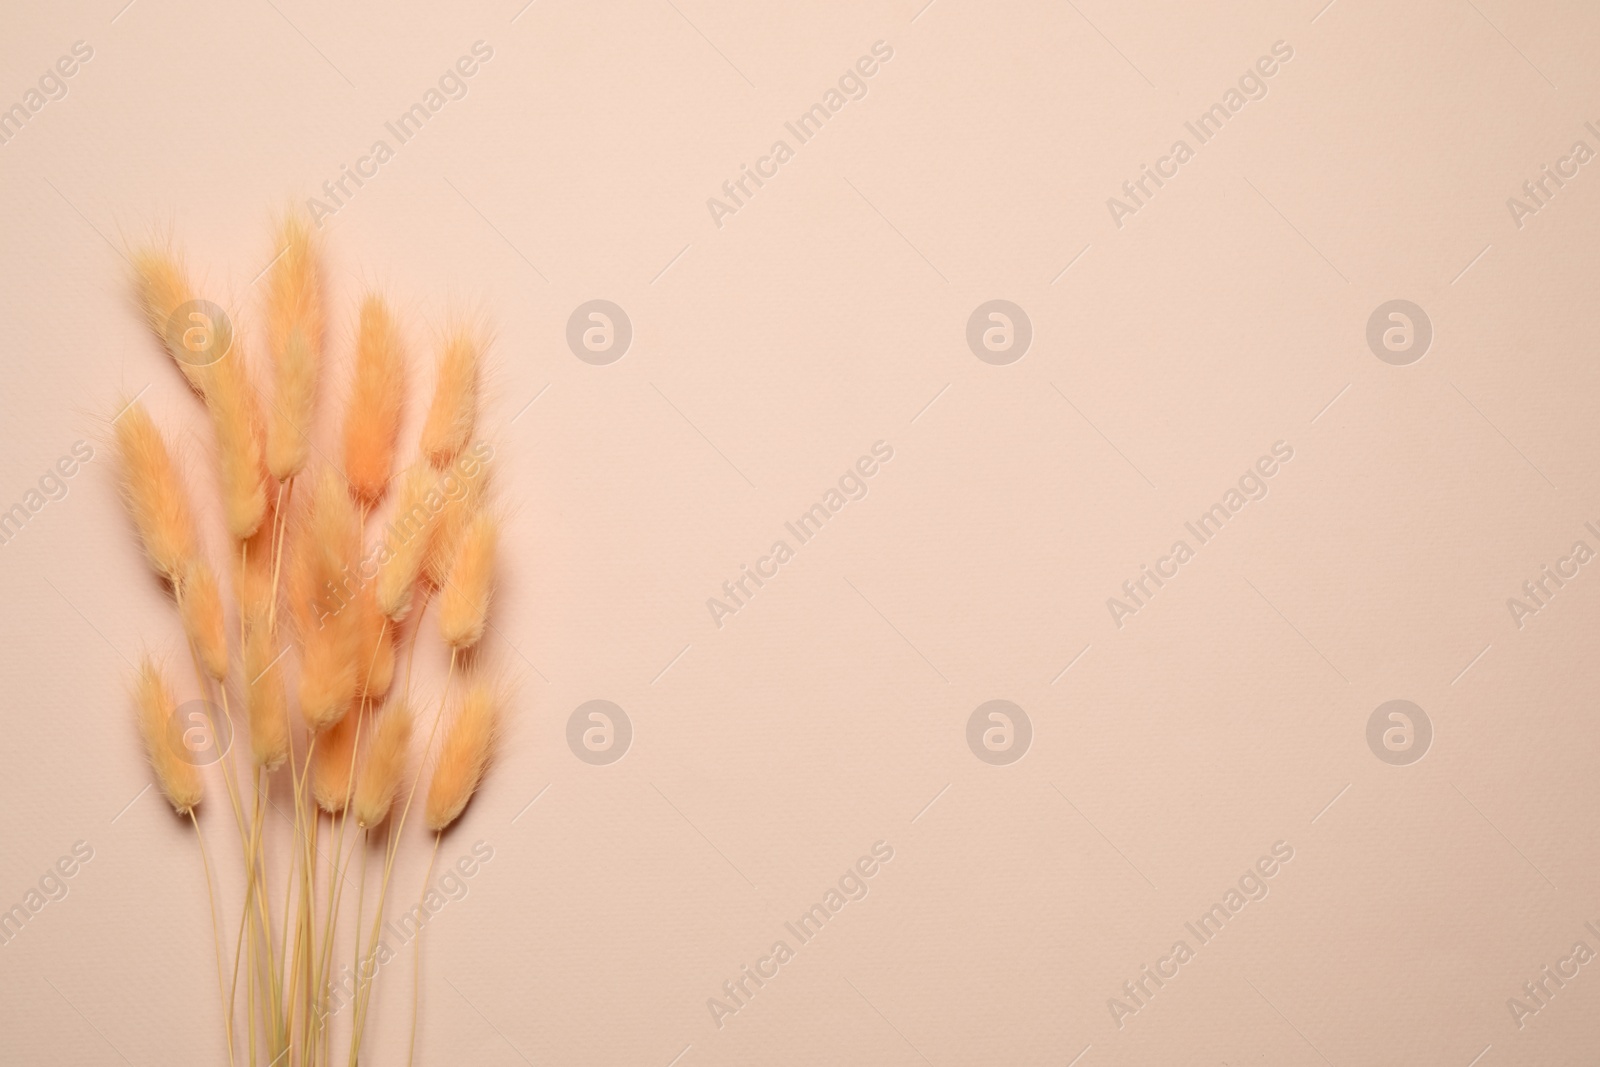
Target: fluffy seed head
pixel 153 493
pixel 162 287
pixel 372 419
pixel 463 757
pixel 451 521
pixel 266 705
pixel 383 765
pixel 324 604
pixel 332 764
pixel 154 707
pixel 454 411
pixel 200 605
pixel 406 540
pixel 252 567
pixel 294 339
pixel 377 647
pixel 235 415
pixel 464 601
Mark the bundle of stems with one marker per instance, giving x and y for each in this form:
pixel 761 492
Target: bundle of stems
pixel 325 600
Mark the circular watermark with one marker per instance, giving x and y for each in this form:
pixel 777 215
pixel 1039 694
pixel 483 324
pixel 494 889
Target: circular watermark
pixel 199 732
pixel 1399 332
pixel 199 333
pixel 1399 732
pixel 599 332
pixel 999 332
pixel 599 732
pixel 999 732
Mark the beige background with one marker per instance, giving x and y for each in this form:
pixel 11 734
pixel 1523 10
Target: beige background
pixel 769 354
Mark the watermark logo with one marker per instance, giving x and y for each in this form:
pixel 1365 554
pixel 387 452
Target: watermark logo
pixel 999 732
pixel 1399 332
pixel 199 733
pixel 599 332
pixel 199 333
pixel 1399 732
pixel 599 732
pixel 999 332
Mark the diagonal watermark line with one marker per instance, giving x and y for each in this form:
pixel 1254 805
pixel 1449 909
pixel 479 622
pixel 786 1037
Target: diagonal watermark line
pixel 1068 667
pixel 714 48
pixel 1503 837
pixel 1330 403
pixel 930 803
pixel 896 629
pixel 1503 437
pixel 1103 437
pixel 1468 667
pixel 1068 267
pixel 529 404
pixel 1332 802
pixel 496 229
pixel 85 1018
pixel 1296 629
pixel 485 1018
pixel 703 837
pixel 86 221
pixel 896 229
pixel 530 803
pixel 1114 48
pixel 130 403
pixel 703 437
pixel 1469 266
pixel 271 665
pixel 1080 1055
pixel 284 251
pixel 1324 11
pixel 520 10
pixel 1285 1018
pixel 124 11
pixel 308 41
pixel 1296 229
pixel 674 259
pixel 925 7
pixel 686 1048
pixel 1103 837
pixel 1513 47
pixel 885 1018
pixel 91 625
pixel 131 803
pixel 668 667
pixel 1480 1055
pixel 929 404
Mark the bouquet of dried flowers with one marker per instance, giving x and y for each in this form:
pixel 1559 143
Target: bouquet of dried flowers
pixel 323 602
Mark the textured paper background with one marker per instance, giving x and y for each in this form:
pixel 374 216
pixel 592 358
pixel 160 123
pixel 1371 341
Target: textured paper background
pixel 1229 312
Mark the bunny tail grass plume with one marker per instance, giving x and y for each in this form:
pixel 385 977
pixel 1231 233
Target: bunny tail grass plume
pixel 253 579
pixel 162 288
pixel 235 415
pixel 200 604
pixel 328 618
pixel 454 411
pixel 464 601
pixel 294 340
pixel 452 520
pixel 383 766
pixel 406 540
pixel 330 765
pixel 372 418
pixel 266 705
pixel 155 707
pixel 154 493
pixel 463 757
pixel 377 647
